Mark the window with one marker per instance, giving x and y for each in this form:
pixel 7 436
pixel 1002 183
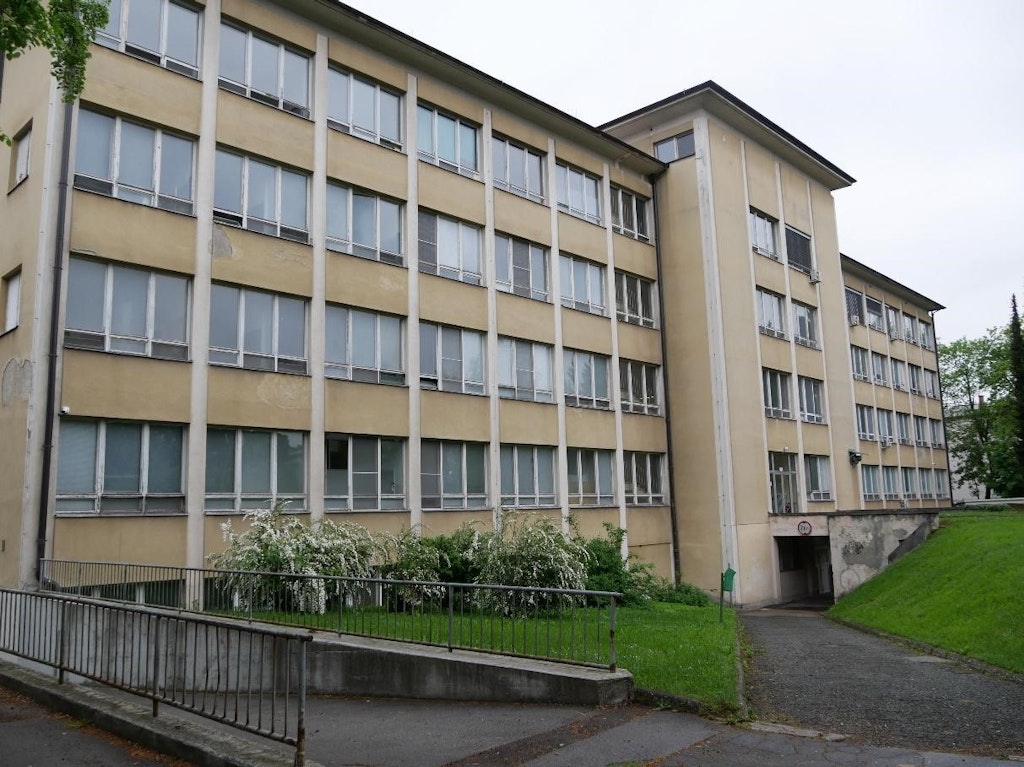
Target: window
pixel 132 162
pixel 798 250
pixel 782 483
pixel 21 155
pixel 638 384
pixel 859 361
pixel 880 368
pixel 113 467
pixel 578 193
pixel 363 224
pixel 874 310
pixel 818 477
pixel 527 475
pixel 941 483
pixel 264 70
pixel 364 109
pixel 885 434
pixel 921 430
pixel 11 297
pixel 805 325
pixel 892 323
pixel 521 267
pixel 451 359
pixel 925 480
pixel 255 469
pixel 361 345
pixel 586 379
pixel 909 483
pixel 890 483
pixel 158 31
pixel 865 422
pixel 675 148
pixel 449 248
pixel 927 336
pixel 590 477
pixel 936 432
pixel 453 475
pixel 869 482
pixel 899 374
pixel 524 370
pixel 775 385
pixel 812 400
pixel 634 299
pixel 124 309
pixel 762 234
pixel 915 379
pixel 363 473
pixel 910 329
pixel 854 307
pixel 518 169
pixel 643 479
pixel 446 141
pixel 903 428
pixel 629 214
pixel 771 313
pixel 261 197
pixel 257 330
pixel 931 383
pixel 582 284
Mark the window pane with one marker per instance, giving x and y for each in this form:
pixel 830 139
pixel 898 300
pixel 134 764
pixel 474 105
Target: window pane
pixel 451 354
pixel 364 223
pixel 542 363
pixel 428 350
pixel 232 53
pixel 336 466
pixel 176 167
pixel 508 486
pixel 338 95
pixel 390 116
pixel 337 212
pixel 390 226
pixel 476 473
pixel 430 471
pixel 165 444
pixel 86 288
pixel 259 322
pixel 182 34
pixel 601 377
pixel 546 470
pixel 446 138
pixel 296 78
pixel 473 356
pixel 390 343
pixel 336 335
pixel 364 339
pixel 425 130
pixel 224 317
pixel 448 242
pixel 506 362
pixel 293 199
pixel 525 457
pixel 122 458
pixel 451 469
pixel 76 461
pixel 517 167
pixel 95 138
pixel 363 106
pixel 264 63
pixel 128 302
pixel 135 163
pixel 220 461
pixel 262 191
pixel 392 471
pixel 256 462
pixel 227 194
pixel 291 327
pixel 470 249
pixel 604 472
pixel 144 24
pixel 291 463
pixel 467 146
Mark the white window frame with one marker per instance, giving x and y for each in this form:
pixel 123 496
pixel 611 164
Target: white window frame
pixel 455 264
pixel 644 478
pixel 508 274
pixel 884 418
pixel 346 123
pixel 505 153
pixel 21 156
pixel 385 212
pixel 239 500
pixel 935 426
pixel 927 335
pixel 899 377
pixel 103 502
pixel 910 332
pixel 875 311
pixel 638 207
pixel 812 399
pixel 463 163
pixel 903 428
pixel 870 482
pixel 916 379
pixel 386 496
pixel 771 313
pixel 240 357
pixel 909 477
pixel 509 352
pixel 274 225
pixel 892 323
pixel 105 339
pixel 854 306
pixel 602 465
pixel 924 479
pixel 794 236
pixel 448 498
pixel 891 483
pixel 859 362
pixel 435 379
pixel 941 483
pixel 589 207
pixel 593 391
pixel 921 431
pixel 594 299
pixel 775 388
pixel 931 384
pixel 805 325
pixel 639 387
pixel 342 319
pixel 783 485
pixel 514 486
pixel 110 184
pixel 677 147
pixel 818 477
pixel 764 234
pixel 118 39
pixel 11 296
pixel 866 423
pixel 644 291
pixel 879 369
pixel 244 87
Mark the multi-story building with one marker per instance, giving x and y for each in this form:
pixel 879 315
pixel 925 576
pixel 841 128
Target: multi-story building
pixel 283 252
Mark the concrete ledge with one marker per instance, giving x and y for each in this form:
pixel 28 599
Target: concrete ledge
pixel 348 665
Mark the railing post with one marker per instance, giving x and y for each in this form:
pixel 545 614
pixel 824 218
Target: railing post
pixel 62 635
pixel 451 615
pixel 611 636
pixel 155 643
pixel 251 585
pixel 300 734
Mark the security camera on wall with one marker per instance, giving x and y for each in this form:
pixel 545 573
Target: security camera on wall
pixel 855 457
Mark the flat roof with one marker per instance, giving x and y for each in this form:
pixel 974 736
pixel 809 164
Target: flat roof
pixel 888 283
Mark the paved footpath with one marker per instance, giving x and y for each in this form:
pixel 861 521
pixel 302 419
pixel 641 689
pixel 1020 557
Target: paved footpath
pixel 813 672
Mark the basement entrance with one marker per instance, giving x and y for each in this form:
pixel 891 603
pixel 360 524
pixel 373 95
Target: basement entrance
pixel 805 567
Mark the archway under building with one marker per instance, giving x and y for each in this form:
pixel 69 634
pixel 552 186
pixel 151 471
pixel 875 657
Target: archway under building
pixel 805 568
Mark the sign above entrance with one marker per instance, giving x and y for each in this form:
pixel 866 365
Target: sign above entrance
pixel 804 527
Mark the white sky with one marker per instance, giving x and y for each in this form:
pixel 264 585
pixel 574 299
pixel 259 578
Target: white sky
pixel 922 101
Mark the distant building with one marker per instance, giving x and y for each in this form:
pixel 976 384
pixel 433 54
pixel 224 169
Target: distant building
pixel 283 252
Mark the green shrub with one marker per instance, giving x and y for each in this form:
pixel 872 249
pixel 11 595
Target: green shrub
pixel 608 571
pixel 456 554
pixel 683 593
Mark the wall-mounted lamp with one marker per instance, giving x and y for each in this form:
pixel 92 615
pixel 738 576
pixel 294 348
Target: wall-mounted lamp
pixel 855 457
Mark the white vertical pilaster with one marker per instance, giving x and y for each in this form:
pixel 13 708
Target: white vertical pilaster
pixel 558 363
pixel 491 362
pixel 412 325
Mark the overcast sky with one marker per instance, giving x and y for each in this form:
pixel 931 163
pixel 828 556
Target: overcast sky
pixel 922 101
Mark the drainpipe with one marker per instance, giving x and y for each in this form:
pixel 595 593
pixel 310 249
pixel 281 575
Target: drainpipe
pixel 676 560
pixel 51 372
pixel 942 407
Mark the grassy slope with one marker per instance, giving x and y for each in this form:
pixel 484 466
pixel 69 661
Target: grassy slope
pixel 962 591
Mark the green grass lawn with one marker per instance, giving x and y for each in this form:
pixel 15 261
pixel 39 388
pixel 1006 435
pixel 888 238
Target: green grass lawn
pixel 962 591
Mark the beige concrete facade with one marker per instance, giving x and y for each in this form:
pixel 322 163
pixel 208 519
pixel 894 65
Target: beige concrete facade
pixel 415 261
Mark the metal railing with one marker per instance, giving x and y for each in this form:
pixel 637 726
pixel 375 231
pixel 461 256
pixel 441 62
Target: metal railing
pixel 572 626
pixel 249 677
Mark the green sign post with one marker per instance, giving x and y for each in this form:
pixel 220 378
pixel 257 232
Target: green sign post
pixel 727 582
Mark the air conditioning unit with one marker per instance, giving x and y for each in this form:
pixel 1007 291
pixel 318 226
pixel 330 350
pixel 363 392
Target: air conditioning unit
pixel 886 442
pixel 894 334
pixel 854 320
pixel 815 276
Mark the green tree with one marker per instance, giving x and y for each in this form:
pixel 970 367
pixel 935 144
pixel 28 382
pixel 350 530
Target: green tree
pixel 1015 488
pixel 976 393
pixel 66 27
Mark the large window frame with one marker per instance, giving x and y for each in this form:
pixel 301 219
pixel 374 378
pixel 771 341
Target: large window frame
pixel 579 193
pixel 854 306
pixel 629 214
pixel 528 476
pixel 899 375
pixel 452 359
pixel 108 467
pixel 364 473
pixel 870 482
pixel 783 485
pixel 805 325
pixel 521 267
pixel 818 477
pixel 287 87
pixel 583 284
pixel 133 162
pixel 639 387
pixel 880 369
pixel 363 108
pixel 591 476
pixel 450 248
pixel 267 467
pixel 799 254
pixel 364 224
pixel 364 345
pixel 251 193
pixel 587 377
pixel 891 483
pixel 812 399
pixel 859 363
pixel 635 299
pixel 137 311
pixel 453 475
pixel 258 345
pixel 170 40
pixel 525 370
pixel 447 141
pixel 643 478
pixel 518 169
pixel 764 231
pixel 771 313
pixel 677 147
pixel 909 476
pixel 775 387
pixel 10 296
pixel 866 423
pixel 903 426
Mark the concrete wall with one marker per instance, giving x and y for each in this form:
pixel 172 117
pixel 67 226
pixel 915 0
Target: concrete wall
pixel 863 544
